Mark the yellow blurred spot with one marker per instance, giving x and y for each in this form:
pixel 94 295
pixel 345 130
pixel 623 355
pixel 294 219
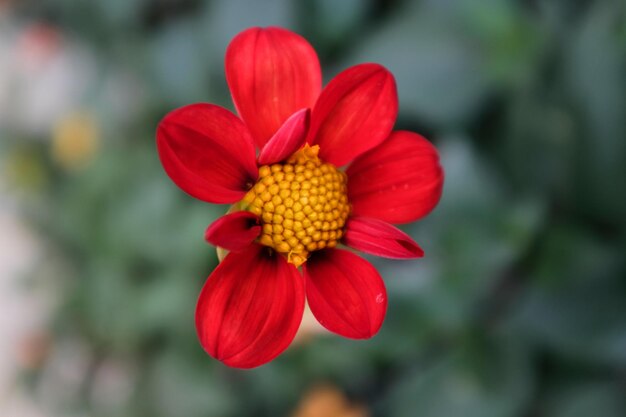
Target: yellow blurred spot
pixel 327 401
pixel 75 140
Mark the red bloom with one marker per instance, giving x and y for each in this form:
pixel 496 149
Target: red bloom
pixel 293 205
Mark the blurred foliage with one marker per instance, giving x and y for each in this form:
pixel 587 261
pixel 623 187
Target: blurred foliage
pixel 518 308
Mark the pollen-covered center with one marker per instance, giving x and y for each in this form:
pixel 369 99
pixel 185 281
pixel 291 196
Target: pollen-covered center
pixel 302 203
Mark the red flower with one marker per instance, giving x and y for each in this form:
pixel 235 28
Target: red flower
pixel 293 205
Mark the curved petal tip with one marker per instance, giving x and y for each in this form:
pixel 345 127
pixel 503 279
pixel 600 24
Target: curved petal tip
pixel 379 238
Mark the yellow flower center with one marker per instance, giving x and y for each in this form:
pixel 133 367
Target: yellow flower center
pixel 302 203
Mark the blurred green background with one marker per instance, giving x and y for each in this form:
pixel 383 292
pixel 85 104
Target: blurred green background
pixel 518 308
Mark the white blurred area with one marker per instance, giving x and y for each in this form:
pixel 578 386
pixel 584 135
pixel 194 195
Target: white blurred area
pixel 52 91
pixel 43 76
pixel 24 311
pixel 43 80
pixel 47 74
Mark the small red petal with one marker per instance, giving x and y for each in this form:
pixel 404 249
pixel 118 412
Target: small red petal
pixel 250 308
pixel 207 151
pixel 379 238
pixel 345 292
pixel 400 181
pixel 287 140
pixel 272 73
pixel 234 231
pixel 355 112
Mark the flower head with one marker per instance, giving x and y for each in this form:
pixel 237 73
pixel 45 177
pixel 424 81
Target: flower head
pixel 293 201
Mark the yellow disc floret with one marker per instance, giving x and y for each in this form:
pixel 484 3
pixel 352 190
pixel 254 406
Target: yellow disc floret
pixel 302 203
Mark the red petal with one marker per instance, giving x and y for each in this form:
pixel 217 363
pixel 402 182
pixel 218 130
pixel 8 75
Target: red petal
pixel 398 182
pixel 234 231
pixel 207 151
pixel 271 73
pixel 287 140
pixel 345 292
pixel 355 112
pixel 250 308
pixel 379 238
